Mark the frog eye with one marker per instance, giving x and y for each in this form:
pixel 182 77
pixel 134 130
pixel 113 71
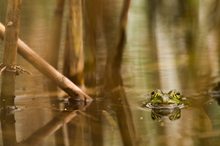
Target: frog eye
pixel 153 92
pixel 177 93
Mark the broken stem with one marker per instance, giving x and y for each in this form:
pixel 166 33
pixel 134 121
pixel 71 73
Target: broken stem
pixel 45 68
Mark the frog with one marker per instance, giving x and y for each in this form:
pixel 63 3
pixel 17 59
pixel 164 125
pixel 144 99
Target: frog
pixel 168 104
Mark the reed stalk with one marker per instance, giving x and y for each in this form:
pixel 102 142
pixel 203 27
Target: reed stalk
pixel 8 129
pixel 74 54
pixel 55 33
pixel 114 83
pixel 10 52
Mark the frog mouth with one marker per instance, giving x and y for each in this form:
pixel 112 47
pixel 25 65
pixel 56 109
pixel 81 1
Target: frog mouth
pixel 164 106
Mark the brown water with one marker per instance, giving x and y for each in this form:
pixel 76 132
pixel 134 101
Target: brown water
pixel 157 55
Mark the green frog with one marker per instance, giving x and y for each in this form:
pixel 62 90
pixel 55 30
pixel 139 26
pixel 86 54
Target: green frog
pixel 169 104
pixel 165 104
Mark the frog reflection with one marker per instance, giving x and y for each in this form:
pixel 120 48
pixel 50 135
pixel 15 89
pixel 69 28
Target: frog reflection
pixel 214 92
pixel 172 114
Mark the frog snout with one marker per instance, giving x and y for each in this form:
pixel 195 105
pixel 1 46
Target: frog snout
pixel 165 98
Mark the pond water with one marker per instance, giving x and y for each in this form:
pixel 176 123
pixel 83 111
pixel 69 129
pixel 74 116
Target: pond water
pixel 164 50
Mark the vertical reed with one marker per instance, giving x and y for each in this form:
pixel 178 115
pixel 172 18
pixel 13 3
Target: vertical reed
pixel 8 129
pixel 55 33
pixel 54 49
pixel 114 82
pixel 10 51
pixel 2 10
pixel 74 56
pixel 90 15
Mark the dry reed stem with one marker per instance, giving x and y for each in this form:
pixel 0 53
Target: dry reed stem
pixel 38 62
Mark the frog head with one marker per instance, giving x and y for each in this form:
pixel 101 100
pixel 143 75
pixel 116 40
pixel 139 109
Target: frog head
pixel 159 98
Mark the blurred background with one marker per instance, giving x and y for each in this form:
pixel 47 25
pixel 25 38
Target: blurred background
pixel 117 51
